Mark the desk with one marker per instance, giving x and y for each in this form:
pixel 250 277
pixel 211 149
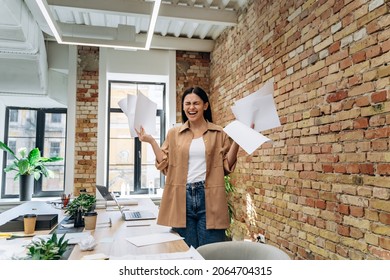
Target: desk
pixel 111 240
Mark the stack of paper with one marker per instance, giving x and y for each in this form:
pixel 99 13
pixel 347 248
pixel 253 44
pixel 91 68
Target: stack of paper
pixel 259 109
pixel 140 111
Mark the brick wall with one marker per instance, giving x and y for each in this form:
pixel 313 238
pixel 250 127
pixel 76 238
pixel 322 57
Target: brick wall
pixel 192 69
pixel 86 119
pixel 321 190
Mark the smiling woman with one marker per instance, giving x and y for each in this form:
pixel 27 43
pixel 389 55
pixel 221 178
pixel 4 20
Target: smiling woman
pixel 195 157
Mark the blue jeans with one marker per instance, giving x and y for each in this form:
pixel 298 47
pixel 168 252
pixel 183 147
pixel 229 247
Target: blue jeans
pixel 195 233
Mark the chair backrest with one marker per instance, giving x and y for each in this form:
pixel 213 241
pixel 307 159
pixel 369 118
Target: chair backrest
pixel 241 250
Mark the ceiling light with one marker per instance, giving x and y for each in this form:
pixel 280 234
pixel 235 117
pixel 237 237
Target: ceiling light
pixel 56 30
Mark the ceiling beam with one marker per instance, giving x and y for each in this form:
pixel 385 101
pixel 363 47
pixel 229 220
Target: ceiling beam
pixel 182 44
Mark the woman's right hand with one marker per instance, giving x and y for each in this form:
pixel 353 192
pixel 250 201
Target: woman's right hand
pixel 143 137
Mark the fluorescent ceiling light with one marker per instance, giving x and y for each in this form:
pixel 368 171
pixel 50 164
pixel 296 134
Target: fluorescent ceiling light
pixel 152 24
pixel 42 4
pixel 45 9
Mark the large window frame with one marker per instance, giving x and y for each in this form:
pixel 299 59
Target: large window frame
pixel 39 142
pixel 137 152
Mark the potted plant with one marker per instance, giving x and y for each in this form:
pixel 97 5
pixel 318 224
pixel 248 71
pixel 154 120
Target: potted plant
pixel 86 202
pixel 28 166
pixel 50 249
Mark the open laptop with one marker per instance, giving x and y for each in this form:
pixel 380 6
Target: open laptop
pixel 104 192
pixel 133 215
pixel 110 201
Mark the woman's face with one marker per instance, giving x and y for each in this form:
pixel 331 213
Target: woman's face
pixel 194 107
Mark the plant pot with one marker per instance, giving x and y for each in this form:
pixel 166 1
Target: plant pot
pixel 26 187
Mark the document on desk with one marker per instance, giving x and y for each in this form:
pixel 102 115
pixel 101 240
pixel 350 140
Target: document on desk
pixel 259 109
pixel 154 238
pixel 140 111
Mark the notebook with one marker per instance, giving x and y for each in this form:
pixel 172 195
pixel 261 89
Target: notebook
pixel 110 201
pixel 133 215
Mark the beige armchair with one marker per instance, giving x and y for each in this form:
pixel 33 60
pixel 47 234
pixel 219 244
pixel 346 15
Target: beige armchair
pixel 241 250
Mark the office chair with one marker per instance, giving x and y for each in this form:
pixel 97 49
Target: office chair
pixel 241 250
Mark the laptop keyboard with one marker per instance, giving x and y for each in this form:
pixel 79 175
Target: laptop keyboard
pixel 133 214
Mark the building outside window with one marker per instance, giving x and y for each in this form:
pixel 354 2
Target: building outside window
pixel 36 129
pixel 131 165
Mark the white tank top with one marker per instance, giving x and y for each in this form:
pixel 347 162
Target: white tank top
pixel 197 161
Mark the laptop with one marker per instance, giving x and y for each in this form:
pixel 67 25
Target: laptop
pixel 110 201
pixel 104 192
pixel 133 215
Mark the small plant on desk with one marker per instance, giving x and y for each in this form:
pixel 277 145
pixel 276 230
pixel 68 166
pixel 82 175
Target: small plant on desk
pixel 51 249
pixel 84 201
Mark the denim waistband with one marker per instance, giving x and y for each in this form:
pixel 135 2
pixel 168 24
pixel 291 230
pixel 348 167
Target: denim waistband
pixel 195 185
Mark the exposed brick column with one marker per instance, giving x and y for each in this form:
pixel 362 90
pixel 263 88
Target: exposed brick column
pixel 86 119
pixel 192 69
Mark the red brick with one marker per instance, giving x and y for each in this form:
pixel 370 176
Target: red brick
pixel 360 123
pixel 335 97
pixel 359 57
pixel 343 230
pixel 377 97
pixel 383 169
pixel 384 242
pixel 384 218
pixel 356 211
pixel 343 209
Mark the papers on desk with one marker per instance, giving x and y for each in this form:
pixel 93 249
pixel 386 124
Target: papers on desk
pixel 191 254
pixel 259 109
pixel 154 238
pixel 140 111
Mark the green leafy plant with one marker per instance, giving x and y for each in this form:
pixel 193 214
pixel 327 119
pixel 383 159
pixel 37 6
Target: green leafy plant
pixel 229 188
pixel 29 163
pixel 84 201
pixel 51 249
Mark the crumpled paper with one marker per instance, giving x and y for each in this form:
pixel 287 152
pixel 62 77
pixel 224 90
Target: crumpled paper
pixel 87 244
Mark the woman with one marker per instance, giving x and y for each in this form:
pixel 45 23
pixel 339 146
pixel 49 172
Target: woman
pixel 195 157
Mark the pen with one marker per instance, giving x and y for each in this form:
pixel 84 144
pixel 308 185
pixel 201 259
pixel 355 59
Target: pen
pixel 143 225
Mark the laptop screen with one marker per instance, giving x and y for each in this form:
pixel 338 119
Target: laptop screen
pixel 104 192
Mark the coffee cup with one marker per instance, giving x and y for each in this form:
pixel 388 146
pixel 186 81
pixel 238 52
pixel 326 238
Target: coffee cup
pixel 29 221
pixel 90 220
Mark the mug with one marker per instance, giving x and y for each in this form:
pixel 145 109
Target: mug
pixel 90 220
pixel 29 221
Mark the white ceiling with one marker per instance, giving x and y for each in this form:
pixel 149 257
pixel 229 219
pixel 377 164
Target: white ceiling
pixel 181 24
pixel 190 25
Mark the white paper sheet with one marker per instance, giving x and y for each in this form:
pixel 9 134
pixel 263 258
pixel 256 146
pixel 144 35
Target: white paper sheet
pixel 140 111
pixel 259 109
pixel 154 238
pixel 247 138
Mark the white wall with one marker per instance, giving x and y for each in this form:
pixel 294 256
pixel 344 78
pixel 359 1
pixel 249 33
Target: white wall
pixel 140 66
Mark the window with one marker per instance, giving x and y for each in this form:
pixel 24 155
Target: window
pixel 12 146
pixel 13 116
pixel 131 164
pixel 36 129
pixel 56 118
pixel 55 149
